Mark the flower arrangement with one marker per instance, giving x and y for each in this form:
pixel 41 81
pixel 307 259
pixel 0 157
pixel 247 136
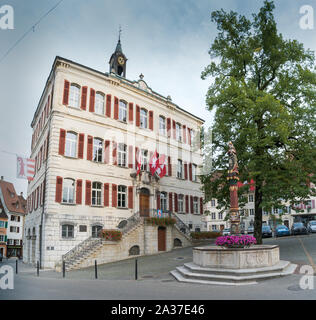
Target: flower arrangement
pixel 235 241
pixel 161 221
pixel 110 235
pixel 205 235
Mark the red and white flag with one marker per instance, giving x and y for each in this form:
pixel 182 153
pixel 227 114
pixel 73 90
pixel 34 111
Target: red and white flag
pixel 153 163
pixel 162 168
pixel 25 168
pixel 139 162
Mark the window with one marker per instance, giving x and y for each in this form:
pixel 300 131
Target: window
pixel 220 216
pixel 99 103
pixel 95 231
pixel 2 224
pixel 275 211
pixel 144 159
pixel 14 229
pixel 163 201
pixel 122 111
pixel 1 238
pixel 121 197
pixel 213 215
pixel 195 205
pixel 143 118
pixel 178 132
pixel 96 193
pixel 162 125
pixel 214 227
pixel 122 154
pixel 82 228
pixel 97 149
pixel 250 198
pixel 180 203
pixel 180 169
pixel 74 96
pixel 67 231
pixel 68 190
pixel 10 241
pixel 71 144
pixel 252 212
pixel 213 203
pixel 194 172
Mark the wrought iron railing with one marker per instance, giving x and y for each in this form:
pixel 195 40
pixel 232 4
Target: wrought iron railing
pixel 184 228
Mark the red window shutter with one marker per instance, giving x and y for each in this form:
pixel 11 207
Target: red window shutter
pixel 189 136
pixel 88 192
pixel 107 151
pixel 151 120
pixel 185 171
pixel 130 198
pixel 106 194
pixel 174 129
pixel 191 200
pixel 66 92
pixel 184 134
pixel 168 127
pixel 169 167
pixel 187 204
pixel 116 108
pixel 79 192
pixel 170 202
pixel 176 202
pixel 130 112
pixel 92 100
pixel 114 153
pixel 59 189
pixel 201 205
pixel 84 94
pixel 108 105
pixel 89 148
pixel 114 195
pixel 137 116
pixel 130 157
pixel 158 200
pixel 81 145
pixel 190 171
pixel 62 141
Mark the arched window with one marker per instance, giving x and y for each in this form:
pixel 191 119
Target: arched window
pixel 134 251
pixel 143 118
pixel 121 197
pixel 122 111
pixel 96 193
pixel 68 190
pixel 67 231
pixel 74 95
pixel 97 149
pixel 99 103
pixel 163 201
pixel 71 144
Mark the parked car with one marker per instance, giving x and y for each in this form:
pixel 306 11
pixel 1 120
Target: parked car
pixel 250 230
pixel 266 232
pixel 298 228
pixel 282 230
pixel 311 226
pixel 226 232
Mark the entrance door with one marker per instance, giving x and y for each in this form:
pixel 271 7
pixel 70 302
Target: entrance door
pixel 144 202
pixel 161 239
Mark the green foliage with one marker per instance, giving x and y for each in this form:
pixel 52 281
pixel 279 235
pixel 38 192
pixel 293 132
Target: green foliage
pixel 264 98
pixel 111 235
pixel 205 235
pixel 161 221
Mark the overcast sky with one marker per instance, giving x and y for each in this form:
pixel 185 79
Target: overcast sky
pixel 166 40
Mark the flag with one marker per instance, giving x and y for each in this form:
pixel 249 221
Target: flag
pixel 252 184
pixel 25 168
pixel 139 163
pixel 153 163
pixel 162 168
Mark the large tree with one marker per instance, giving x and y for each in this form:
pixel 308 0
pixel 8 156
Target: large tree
pixel 263 93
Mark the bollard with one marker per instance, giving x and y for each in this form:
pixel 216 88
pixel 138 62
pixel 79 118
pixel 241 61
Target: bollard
pixel 96 269
pixel 16 266
pixel 64 269
pixel 37 267
pixel 136 271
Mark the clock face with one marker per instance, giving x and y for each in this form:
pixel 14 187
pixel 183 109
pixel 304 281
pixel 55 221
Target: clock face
pixel 120 60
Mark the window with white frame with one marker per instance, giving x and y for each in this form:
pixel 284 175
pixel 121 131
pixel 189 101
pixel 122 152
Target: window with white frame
pixel 163 201
pixel 180 169
pixel 220 215
pixel 144 159
pixel 275 210
pixel 214 227
pixel 2 238
pixel 195 205
pixel 10 241
pixel 68 190
pixel 250 198
pixel 251 212
pixel 14 229
pixel 192 136
pixel 74 95
pixel 99 103
pixel 97 149
pixel 194 177
pixel 181 203
pixel 213 203
pixel 162 125
pixel 71 144
pixel 2 224
pixel 96 193
pixel 178 132
pixel 122 111
pixel 143 118
pixel 121 161
pixel 67 231
pixel 121 197
pixel 213 215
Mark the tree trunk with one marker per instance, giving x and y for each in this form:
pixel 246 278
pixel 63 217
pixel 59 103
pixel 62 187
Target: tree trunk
pixel 258 215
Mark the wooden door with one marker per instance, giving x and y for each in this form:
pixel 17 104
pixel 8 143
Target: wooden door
pixel 161 239
pixel 144 205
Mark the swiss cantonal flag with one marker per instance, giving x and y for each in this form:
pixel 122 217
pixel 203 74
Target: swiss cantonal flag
pixel 153 163
pixel 162 169
pixel 25 168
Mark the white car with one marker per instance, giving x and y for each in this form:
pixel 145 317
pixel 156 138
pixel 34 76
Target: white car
pixel 226 232
pixel 311 226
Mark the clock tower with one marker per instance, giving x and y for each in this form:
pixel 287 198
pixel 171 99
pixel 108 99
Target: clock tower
pixel 118 61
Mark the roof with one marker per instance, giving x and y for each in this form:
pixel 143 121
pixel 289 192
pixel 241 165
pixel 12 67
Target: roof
pixel 13 202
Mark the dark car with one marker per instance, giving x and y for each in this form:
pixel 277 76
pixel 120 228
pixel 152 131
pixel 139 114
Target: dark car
pixel 266 232
pixel 298 228
pixel 282 230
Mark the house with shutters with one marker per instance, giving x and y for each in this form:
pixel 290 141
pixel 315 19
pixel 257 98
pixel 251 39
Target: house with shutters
pixel 12 214
pixel 91 129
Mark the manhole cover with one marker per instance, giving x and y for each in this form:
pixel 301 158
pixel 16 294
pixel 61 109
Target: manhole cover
pixel 295 287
